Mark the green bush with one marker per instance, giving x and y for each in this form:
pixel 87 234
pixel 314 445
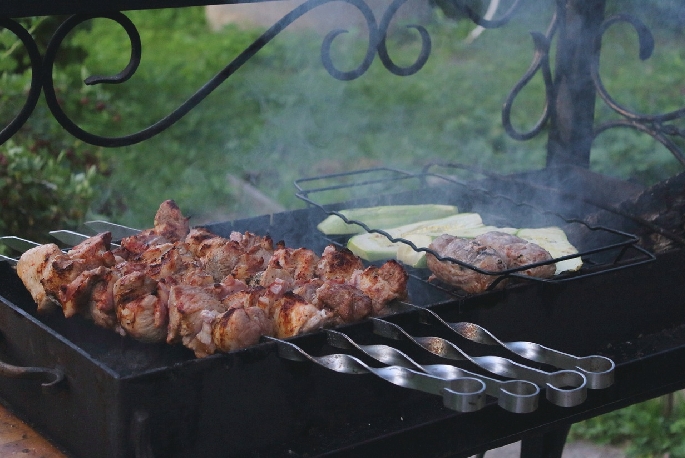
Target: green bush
pixel 642 429
pixel 48 179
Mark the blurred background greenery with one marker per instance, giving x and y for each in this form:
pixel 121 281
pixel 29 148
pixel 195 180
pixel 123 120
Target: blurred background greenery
pixel 281 117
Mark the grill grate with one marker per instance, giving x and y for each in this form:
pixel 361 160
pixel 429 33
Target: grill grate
pixel 603 249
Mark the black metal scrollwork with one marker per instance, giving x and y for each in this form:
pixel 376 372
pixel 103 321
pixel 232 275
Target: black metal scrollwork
pixel 205 90
pixel 42 78
pixel 34 91
pixel 653 125
pixel 540 63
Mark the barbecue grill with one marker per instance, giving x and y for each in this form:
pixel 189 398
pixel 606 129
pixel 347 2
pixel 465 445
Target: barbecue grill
pixel 93 391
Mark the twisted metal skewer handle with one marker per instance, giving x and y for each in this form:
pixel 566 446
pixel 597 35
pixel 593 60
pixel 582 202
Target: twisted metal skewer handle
pixel 464 394
pixel 565 388
pixel 598 370
pixel 518 396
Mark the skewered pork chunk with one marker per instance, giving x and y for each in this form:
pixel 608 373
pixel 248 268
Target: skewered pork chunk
pixel 518 252
pixel 170 222
pixel 207 292
pixel 347 303
pixel 382 284
pixel 289 266
pixel 142 314
pixel 338 264
pixel 470 252
pixel 293 315
pixel 240 327
pixel 64 268
pixel 170 226
pixel 31 269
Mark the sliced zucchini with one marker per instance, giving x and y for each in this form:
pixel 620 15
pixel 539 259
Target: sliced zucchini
pixel 407 255
pixel 375 247
pixel 553 239
pixel 383 217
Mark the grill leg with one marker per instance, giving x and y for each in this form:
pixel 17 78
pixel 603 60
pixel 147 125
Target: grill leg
pixel 548 445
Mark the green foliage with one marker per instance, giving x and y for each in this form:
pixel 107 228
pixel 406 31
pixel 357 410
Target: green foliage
pixel 47 178
pixel 281 116
pixel 38 191
pixel 641 428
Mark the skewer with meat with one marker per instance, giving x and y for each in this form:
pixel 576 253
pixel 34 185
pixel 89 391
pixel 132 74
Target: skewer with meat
pixel 382 284
pixel 210 293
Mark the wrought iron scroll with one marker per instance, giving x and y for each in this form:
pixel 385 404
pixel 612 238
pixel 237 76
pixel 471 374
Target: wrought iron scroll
pixel 34 91
pixel 540 62
pixel 654 125
pixel 42 67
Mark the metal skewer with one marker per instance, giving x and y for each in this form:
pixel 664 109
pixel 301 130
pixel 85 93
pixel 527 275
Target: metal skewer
pixel 72 238
pixel 118 231
pixel 565 388
pixel 598 370
pixel 518 396
pixel 463 394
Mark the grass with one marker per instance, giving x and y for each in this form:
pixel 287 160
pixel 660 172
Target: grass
pixel 281 116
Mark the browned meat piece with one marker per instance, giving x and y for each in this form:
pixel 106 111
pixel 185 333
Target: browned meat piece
pixel 168 259
pixel 293 315
pixel 101 308
pixel 289 266
pixel 200 241
pixel 240 327
pixel 65 268
pixel 347 303
pixel 300 262
pixel 95 251
pixel 382 284
pixel 308 289
pixel 241 255
pixel 141 313
pixel 170 226
pixel 221 259
pixel 78 294
pixel 232 285
pixel 186 305
pixel 135 245
pixel 31 269
pixel 470 252
pixel 60 272
pixel 518 252
pixel 338 264
pixel 256 256
pixel 170 222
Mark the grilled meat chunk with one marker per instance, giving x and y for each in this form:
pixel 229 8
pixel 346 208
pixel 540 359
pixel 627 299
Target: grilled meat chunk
pixel 186 320
pixel 170 222
pixel 347 303
pixel 293 315
pixel 210 293
pixel 338 264
pixel 240 327
pixel 31 269
pixel 470 252
pixel 170 226
pixel 141 312
pixel 518 252
pixel 382 284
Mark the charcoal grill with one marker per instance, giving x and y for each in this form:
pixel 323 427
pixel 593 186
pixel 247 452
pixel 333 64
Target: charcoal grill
pixel 122 398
